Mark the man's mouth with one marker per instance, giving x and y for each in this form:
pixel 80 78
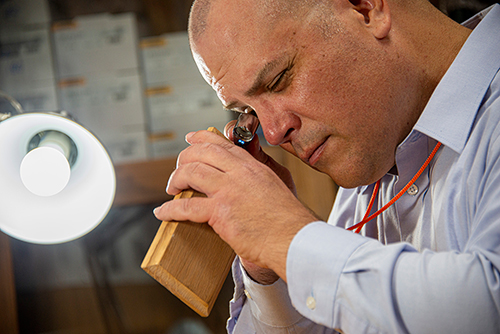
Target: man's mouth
pixel 315 155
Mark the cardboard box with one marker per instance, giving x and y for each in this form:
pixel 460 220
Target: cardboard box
pixel 39 95
pixel 25 56
pixel 173 111
pixel 178 100
pixel 96 44
pixel 111 106
pixel 24 12
pixel 167 60
pixel 129 146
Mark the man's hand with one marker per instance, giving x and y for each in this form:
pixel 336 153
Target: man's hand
pixel 247 204
pixel 256 151
pixel 262 275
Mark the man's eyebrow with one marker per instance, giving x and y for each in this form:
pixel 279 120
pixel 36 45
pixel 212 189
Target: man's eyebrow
pixel 263 73
pixel 230 105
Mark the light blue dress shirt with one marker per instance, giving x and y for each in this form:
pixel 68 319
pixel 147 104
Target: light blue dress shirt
pixel 432 264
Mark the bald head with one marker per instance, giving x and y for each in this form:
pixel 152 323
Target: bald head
pixel 198 18
pixel 272 10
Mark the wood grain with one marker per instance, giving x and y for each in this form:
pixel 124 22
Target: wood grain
pixel 190 260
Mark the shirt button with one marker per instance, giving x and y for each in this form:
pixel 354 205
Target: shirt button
pixel 413 190
pixel 311 303
pixel 247 294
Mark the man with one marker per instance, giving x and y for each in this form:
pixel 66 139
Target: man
pixel 362 90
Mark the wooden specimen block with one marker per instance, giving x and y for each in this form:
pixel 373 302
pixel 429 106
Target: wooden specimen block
pixel 190 260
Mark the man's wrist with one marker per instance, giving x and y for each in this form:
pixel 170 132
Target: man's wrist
pixel 259 275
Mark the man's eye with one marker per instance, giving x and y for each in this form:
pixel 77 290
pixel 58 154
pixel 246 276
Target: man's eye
pixel 277 84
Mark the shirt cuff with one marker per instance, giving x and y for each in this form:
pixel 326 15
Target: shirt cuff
pixel 270 304
pixel 315 261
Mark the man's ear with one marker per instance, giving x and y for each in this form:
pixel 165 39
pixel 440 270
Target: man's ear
pixel 374 15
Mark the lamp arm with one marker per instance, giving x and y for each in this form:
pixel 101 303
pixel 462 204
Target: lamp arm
pixel 16 105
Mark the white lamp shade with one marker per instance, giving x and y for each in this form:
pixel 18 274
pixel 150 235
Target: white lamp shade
pixel 56 216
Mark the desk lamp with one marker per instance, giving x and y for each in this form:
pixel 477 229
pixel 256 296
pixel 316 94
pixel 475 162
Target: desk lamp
pixel 57 181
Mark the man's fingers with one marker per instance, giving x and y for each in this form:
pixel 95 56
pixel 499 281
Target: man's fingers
pixel 211 149
pixel 195 175
pixel 195 209
pixel 210 154
pixel 228 130
pixel 205 136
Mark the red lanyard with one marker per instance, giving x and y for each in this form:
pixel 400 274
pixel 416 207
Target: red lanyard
pixel 367 218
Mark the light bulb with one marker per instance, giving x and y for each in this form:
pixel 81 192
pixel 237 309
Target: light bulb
pixel 45 171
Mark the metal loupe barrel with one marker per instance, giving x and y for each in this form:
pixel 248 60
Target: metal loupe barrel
pixel 245 129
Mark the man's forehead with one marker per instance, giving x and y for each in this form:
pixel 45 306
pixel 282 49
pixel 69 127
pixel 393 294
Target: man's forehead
pixel 243 52
pixel 227 37
pixel 238 50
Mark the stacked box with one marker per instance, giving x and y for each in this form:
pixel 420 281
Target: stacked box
pixel 95 45
pixel 99 81
pixel 26 71
pixel 24 12
pixel 178 100
pixel 109 107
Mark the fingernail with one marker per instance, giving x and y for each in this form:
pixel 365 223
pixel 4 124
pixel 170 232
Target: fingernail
pixel 156 210
pixel 188 136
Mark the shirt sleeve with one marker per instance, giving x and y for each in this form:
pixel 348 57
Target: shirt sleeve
pixel 260 308
pixel 342 280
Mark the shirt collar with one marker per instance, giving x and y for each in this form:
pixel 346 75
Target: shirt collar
pixel 449 115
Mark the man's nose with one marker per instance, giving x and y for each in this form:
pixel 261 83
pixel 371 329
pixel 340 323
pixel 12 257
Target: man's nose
pixel 278 125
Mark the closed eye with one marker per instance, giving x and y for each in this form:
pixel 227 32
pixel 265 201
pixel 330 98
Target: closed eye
pixel 276 85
